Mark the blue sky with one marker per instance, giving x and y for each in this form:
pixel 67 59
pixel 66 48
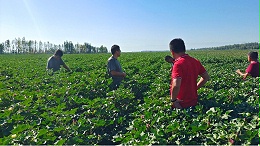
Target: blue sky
pixel 135 25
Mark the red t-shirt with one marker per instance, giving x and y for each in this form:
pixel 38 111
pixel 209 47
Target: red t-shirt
pixel 188 69
pixel 253 69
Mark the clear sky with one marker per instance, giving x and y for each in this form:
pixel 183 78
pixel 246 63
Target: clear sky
pixel 135 25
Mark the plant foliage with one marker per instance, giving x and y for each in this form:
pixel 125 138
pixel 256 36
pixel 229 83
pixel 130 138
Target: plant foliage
pixel 78 108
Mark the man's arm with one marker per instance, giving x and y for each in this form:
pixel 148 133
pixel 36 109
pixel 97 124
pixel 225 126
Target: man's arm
pixel 242 74
pixel 176 84
pixel 118 74
pixel 49 65
pixel 66 67
pixel 204 78
pixel 112 69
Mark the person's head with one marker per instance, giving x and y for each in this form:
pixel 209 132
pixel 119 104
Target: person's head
pixel 169 59
pixel 177 46
pixel 58 53
pixel 115 50
pixel 252 56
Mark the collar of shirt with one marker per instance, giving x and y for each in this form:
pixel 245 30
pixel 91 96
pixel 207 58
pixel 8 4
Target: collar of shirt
pixel 185 55
pixel 113 57
pixel 253 61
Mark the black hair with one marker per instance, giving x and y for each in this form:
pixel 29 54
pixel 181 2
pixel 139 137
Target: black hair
pixel 58 53
pixel 167 57
pixel 177 45
pixel 115 48
pixel 253 55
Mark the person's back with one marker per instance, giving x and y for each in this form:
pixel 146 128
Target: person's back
pixel 185 71
pixel 188 70
pixel 253 69
pixel 113 64
pixel 114 68
pixel 54 63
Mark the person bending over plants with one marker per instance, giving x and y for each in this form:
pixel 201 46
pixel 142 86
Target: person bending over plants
pixel 114 68
pixel 253 67
pixel 55 61
pixel 186 69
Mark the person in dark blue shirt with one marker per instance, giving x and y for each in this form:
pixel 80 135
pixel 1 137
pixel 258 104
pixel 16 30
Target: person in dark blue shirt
pixel 55 61
pixel 114 68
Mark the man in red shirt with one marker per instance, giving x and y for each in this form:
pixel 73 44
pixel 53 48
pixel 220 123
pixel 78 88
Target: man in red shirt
pixel 185 73
pixel 253 67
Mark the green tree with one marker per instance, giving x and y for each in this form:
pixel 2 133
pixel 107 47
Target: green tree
pixel 23 46
pixel 1 48
pixel 94 50
pixel 35 47
pixel 76 47
pixel 66 47
pixel 30 46
pixel 7 46
pixel 88 47
pixel 71 47
pixel 102 49
pixel 40 47
pixel 45 47
pixel 19 45
pixel 82 48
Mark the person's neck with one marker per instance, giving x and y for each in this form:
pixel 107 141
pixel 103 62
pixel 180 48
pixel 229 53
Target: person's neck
pixel 177 55
pixel 56 57
pixel 115 56
pixel 252 61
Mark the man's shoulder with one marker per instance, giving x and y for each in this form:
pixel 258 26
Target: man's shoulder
pixel 111 59
pixel 258 64
pixel 187 59
pixel 192 59
pixel 51 58
pixel 183 58
pixel 253 65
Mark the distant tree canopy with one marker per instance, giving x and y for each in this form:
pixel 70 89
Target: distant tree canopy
pixel 22 46
pixel 245 46
pixel 1 48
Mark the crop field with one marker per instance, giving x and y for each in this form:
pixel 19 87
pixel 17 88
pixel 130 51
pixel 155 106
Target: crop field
pixel 67 108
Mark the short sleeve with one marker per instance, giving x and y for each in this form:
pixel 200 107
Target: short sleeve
pixel 49 64
pixel 177 71
pixel 202 70
pixel 249 68
pixel 61 62
pixel 111 65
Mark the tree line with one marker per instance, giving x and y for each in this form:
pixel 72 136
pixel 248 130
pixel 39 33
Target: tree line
pixel 23 46
pixel 254 45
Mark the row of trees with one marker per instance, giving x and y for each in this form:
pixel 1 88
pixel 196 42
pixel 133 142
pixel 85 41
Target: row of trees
pixel 254 45
pixel 23 46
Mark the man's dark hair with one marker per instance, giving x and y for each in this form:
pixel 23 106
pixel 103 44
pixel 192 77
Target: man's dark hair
pixel 167 57
pixel 177 45
pixel 115 48
pixel 253 55
pixel 58 53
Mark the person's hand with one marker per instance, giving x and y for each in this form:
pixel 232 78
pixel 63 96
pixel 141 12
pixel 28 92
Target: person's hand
pixel 124 74
pixel 176 104
pixel 238 71
pixel 68 70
